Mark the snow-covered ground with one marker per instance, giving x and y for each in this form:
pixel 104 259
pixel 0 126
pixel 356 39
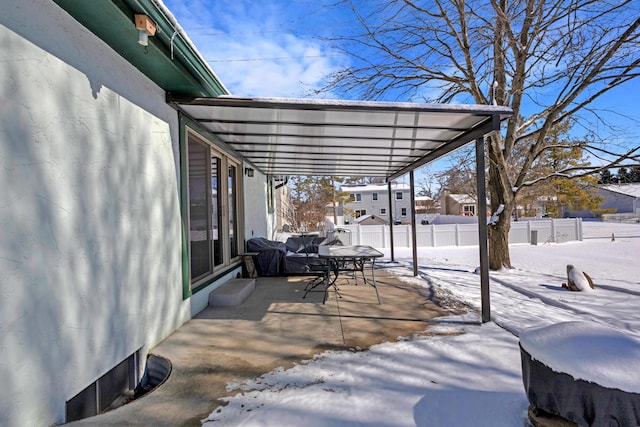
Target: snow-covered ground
pixel 465 374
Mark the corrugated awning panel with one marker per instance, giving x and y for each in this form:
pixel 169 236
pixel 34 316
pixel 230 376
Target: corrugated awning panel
pixel 342 138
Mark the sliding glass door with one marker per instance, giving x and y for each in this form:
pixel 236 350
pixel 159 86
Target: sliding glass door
pixel 213 218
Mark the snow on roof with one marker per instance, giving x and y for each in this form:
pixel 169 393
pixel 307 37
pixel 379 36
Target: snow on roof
pixel 587 351
pixel 382 105
pixel 632 190
pixel 361 218
pixel 462 198
pixel 373 187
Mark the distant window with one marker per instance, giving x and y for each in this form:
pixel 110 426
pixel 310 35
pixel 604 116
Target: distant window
pixel 360 212
pixel 398 196
pixel 374 197
pixel 469 209
pixel 358 197
pixel 404 212
pixel 383 211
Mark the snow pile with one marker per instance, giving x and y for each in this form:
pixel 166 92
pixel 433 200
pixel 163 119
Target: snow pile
pixel 587 351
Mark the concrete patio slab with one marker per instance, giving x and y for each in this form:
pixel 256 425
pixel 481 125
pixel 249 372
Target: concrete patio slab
pixel 274 327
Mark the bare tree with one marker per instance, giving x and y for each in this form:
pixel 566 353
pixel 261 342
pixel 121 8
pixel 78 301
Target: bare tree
pixel 460 176
pixel 548 61
pixel 428 185
pixel 313 198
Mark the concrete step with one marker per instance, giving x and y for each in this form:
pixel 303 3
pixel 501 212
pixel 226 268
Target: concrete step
pixel 232 292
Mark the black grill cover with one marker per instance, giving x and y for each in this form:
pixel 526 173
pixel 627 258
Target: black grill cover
pixel 585 403
pixel 270 254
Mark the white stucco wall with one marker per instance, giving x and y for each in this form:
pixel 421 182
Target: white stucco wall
pixel 90 238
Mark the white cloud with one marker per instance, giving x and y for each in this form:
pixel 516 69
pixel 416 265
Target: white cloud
pixel 301 69
pixel 255 49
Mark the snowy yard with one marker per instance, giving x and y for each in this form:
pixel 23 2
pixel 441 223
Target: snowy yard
pixel 452 378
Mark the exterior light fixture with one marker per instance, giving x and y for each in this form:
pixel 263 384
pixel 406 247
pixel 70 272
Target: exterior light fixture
pixel 248 172
pixel 146 28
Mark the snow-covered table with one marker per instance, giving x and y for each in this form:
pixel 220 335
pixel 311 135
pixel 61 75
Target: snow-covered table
pixel 583 372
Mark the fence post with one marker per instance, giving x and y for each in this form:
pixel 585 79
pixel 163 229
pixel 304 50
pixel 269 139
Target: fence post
pixel 433 235
pixel 408 234
pixel 457 231
pixel 579 229
pixel 384 236
pixel 553 230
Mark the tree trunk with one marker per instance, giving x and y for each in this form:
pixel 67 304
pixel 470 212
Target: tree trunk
pixel 501 193
pixel 499 243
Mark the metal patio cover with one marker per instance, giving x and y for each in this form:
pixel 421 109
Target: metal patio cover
pixel 283 136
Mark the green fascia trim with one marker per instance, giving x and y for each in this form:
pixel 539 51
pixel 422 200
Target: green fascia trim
pixel 113 22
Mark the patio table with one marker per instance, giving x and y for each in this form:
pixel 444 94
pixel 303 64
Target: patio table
pixel 346 259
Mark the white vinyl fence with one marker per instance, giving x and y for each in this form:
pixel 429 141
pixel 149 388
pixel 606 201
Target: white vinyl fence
pixel 622 217
pixel 532 232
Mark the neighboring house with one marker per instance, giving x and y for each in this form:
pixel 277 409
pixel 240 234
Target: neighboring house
pixel 624 198
pixel 373 199
pixel 458 204
pixel 112 230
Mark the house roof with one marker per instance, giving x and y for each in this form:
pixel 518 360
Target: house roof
pixel 463 198
pixel 370 220
pixel 283 136
pixel 632 189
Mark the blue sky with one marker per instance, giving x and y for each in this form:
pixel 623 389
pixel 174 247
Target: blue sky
pixel 263 48
pixel 271 48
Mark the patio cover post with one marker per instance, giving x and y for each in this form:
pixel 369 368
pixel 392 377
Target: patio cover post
pixel 414 236
pixel 393 258
pixel 482 231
